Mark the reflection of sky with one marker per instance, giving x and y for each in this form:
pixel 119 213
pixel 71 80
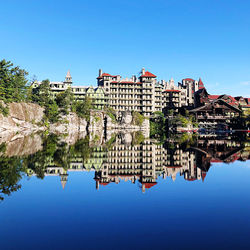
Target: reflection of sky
pixel 180 214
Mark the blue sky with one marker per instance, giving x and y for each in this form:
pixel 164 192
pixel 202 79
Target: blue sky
pixel 171 38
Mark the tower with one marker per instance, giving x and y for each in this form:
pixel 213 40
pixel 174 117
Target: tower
pixel 68 78
pixel 63 179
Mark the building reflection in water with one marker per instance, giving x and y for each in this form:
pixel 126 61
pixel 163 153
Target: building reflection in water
pixel 146 162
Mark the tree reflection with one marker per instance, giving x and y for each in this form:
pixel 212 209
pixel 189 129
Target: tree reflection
pixel 11 172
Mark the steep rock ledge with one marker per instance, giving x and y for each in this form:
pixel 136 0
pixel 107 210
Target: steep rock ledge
pixel 22 117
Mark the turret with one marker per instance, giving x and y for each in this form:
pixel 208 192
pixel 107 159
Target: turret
pixel 68 78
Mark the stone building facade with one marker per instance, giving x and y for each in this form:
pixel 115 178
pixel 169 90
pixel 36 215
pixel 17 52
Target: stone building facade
pixel 80 92
pixel 143 94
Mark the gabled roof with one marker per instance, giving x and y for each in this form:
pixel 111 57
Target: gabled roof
pixel 201 85
pixel 213 97
pixel 148 74
pixel 247 100
pixel 104 74
pixel 214 101
pixel 188 79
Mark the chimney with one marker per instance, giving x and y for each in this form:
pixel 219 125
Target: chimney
pixel 143 71
pixel 133 78
pixel 100 72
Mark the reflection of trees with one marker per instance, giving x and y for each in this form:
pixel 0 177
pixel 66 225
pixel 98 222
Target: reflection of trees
pixel 57 153
pixel 39 161
pixel 11 170
pixel 82 149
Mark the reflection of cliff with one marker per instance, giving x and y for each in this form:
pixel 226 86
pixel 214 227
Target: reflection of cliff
pixel 23 145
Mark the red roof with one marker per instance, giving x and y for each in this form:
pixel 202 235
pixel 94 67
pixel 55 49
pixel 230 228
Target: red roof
pixel 203 175
pixel 213 97
pixel 104 183
pixel 148 74
pixel 191 179
pixel 171 90
pixel 149 184
pixel 176 166
pixel 188 79
pixel 125 82
pixel 201 85
pixel 215 160
pixel 104 74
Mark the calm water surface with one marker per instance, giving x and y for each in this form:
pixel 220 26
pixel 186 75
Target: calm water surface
pixel 122 196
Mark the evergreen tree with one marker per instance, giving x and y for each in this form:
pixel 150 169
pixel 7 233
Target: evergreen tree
pixel 64 100
pixel 13 82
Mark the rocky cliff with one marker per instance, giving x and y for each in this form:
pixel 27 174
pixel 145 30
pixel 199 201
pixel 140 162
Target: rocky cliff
pixel 22 117
pixel 26 118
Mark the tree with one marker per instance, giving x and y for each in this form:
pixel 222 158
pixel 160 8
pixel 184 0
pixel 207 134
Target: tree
pixel 64 100
pixel 41 95
pixel 82 108
pixel 51 111
pixel 10 174
pixel 13 82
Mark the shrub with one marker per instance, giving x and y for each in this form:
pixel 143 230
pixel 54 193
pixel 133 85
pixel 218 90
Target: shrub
pixel 111 113
pixel 137 118
pixel 4 110
pixel 138 138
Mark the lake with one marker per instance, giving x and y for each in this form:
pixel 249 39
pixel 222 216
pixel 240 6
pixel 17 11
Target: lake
pixel 124 195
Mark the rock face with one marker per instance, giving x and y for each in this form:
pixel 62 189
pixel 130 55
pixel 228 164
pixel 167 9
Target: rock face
pixel 72 125
pixel 125 125
pixel 26 118
pixel 22 117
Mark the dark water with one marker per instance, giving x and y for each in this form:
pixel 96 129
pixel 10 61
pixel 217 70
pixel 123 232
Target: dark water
pixel 123 196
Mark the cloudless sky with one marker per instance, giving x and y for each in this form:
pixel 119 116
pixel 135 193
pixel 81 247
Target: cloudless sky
pixel 171 38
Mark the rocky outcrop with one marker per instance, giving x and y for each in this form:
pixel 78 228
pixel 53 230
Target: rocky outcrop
pixel 26 118
pixel 96 127
pixel 68 124
pixel 22 117
pixel 126 126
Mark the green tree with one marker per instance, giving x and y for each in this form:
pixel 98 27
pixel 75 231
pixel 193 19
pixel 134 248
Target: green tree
pixel 11 171
pixel 51 111
pixel 64 100
pixel 13 82
pixel 42 95
pixel 82 108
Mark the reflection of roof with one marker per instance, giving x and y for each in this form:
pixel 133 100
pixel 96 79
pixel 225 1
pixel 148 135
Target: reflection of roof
pixel 203 175
pixel 148 74
pixel 149 184
pixel 175 166
pixel 104 183
pixel 172 90
pixel 191 179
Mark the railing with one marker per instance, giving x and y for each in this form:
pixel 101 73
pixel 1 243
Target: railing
pixel 214 117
